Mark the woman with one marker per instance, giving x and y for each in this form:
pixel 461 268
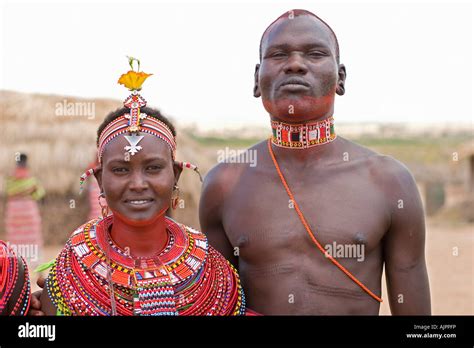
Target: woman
pixel 14 283
pixel 22 217
pixel 137 261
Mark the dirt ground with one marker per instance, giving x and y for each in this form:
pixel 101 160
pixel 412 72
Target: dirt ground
pixel 451 276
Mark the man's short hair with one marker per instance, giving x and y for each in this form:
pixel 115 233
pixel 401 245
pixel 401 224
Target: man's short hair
pixel 297 13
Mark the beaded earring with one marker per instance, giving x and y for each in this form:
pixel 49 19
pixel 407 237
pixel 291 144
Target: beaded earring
pixel 103 207
pixel 175 200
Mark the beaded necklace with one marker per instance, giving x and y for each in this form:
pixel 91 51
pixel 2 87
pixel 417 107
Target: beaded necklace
pixel 303 136
pixel 94 276
pixel 10 283
pixel 153 293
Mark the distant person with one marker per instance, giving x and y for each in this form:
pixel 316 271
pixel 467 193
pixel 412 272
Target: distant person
pixel 22 217
pixel 312 225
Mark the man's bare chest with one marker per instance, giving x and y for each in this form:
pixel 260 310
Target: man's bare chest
pixel 345 213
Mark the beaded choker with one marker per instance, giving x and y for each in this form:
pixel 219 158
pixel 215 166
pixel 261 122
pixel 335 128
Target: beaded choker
pixel 303 136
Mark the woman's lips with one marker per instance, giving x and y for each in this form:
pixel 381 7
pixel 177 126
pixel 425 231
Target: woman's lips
pixel 139 203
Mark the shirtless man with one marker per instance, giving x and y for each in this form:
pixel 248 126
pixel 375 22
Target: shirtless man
pixel 349 195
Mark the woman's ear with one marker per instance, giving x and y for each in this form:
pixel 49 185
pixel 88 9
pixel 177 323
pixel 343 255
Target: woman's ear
pixel 177 169
pixel 98 177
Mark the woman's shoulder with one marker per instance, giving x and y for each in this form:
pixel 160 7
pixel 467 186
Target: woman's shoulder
pixel 213 255
pixel 84 232
pixel 86 226
pixel 77 240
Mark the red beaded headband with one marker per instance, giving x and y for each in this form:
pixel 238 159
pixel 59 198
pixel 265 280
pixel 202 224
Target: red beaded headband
pixel 148 125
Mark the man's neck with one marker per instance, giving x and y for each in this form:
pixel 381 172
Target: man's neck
pixel 142 239
pixel 295 120
pixel 303 155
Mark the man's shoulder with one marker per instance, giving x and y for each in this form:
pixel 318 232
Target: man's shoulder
pixel 355 150
pixel 388 169
pixel 232 167
pixel 384 163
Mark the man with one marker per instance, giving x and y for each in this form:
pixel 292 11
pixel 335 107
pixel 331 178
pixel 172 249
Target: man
pixel 350 197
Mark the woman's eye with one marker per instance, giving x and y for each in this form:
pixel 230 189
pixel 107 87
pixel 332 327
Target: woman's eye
pixel 119 170
pixel 153 168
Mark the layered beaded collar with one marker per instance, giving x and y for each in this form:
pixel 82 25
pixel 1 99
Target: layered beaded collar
pixel 94 276
pixel 303 136
pixel 182 244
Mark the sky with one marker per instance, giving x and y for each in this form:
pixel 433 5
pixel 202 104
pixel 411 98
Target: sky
pixel 406 61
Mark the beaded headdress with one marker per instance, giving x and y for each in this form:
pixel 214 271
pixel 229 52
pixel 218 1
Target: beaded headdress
pixel 132 124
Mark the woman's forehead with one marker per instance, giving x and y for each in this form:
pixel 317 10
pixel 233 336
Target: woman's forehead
pixel 151 146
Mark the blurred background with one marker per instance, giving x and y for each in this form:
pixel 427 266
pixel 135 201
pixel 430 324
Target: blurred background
pixel 409 95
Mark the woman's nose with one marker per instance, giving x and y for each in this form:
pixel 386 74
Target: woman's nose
pixel 138 181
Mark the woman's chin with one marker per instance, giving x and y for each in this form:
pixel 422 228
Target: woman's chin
pixel 138 218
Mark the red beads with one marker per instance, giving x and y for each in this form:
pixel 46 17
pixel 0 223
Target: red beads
pixel 187 278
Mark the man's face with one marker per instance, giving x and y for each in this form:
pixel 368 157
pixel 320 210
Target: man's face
pixel 138 187
pixel 299 73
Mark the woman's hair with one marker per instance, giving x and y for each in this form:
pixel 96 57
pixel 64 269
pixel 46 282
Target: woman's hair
pixel 22 159
pixel 150 112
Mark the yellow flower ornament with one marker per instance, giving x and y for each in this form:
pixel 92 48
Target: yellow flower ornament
pixel 133 80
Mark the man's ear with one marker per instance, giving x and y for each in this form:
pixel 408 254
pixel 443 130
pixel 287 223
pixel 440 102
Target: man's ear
pixel 98 177
pixel 341 89
pixel 256 89
pixel 177 169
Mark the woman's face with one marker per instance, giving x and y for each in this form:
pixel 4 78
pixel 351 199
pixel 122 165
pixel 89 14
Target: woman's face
pixel 138 187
